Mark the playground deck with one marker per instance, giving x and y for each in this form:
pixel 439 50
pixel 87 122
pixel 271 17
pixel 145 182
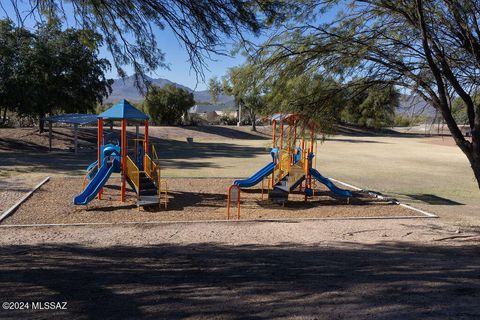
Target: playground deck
pixel 192 199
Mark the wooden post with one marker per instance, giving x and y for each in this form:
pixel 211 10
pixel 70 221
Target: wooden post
pixel 99 151
pixel 75 137
pixel 124 158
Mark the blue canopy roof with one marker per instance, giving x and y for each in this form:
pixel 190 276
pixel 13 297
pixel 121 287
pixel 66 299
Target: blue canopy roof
pixel 73 118
pixel 123 110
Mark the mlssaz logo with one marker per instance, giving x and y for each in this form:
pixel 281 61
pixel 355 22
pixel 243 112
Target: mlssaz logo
pixel 49 305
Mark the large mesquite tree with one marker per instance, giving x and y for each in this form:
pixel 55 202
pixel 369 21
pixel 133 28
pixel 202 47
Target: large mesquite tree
pixel 431 48
pixel 167 105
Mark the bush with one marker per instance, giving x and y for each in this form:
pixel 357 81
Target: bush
pixel 407 121
pixel 228 120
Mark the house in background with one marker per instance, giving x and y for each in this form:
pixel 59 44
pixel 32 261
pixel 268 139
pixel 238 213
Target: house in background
pixel 212 112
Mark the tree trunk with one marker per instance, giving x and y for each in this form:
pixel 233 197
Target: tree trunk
pixel 253 118
pixel 476 170
pixel 41 123
pixel 4 117
pixel 475 159
pixel 470 149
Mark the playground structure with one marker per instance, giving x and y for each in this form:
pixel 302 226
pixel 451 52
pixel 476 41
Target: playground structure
pixel 137 161
pixel 293 164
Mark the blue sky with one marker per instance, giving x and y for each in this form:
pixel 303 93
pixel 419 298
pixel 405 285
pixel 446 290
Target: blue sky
pixel 175 55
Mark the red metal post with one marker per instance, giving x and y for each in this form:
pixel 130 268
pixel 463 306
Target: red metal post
pixel 146 137
pixel 124 158
pixel 99 147
pixel 145 147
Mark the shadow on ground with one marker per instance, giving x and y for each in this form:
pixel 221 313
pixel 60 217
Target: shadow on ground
pixel 230 133
pixel 385 281
pixel 173 153
pixel 434 200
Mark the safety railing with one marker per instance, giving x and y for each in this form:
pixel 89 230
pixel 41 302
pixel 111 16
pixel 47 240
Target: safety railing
pixel 283 166
pixel 163 190
pixel 152 169
pixel 132 173
pixel 154 153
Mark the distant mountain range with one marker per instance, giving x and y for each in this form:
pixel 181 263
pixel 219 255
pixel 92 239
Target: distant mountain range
pixel 125 89
pixel 414 105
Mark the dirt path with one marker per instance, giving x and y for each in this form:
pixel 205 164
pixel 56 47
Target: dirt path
pixel 324 270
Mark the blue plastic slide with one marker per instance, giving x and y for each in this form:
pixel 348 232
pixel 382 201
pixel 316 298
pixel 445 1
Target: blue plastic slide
pixel 336 190
pixel 93 166
pixel 257 177
pixel 96 183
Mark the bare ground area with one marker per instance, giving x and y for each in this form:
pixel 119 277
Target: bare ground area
pixel 190 200
pixel 376 269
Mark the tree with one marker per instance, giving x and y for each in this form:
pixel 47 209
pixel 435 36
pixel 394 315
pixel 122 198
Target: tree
pixel 312 94
pixel 68 74
pixel 215 89
pixel 243 84
pixel 128 26
pixel 431 48
pixel 168 104
pixel 373 108
pixel 64 72
pixel 14 44
pixel 53 71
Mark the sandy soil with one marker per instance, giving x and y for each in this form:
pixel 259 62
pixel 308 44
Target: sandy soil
pixel 190 199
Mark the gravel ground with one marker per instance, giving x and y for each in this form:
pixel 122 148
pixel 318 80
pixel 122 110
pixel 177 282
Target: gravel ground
pixel 191 199
pixel 376 269
pixel 12 190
